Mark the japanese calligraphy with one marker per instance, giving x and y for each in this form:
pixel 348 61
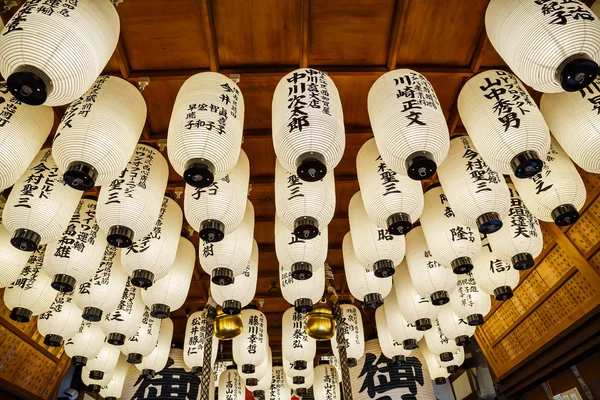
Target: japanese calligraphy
pixel 522 222
pixel 481 175
pixel 381 375
pixel 170 383
pixel 415 92
pixel 308 91
pixel 561 12
pixel 387 178
pixel 132 180
pixel 40 182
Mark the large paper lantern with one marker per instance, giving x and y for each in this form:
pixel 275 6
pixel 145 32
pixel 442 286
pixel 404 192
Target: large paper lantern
pixel 93 385
pixel 308 124
pixel 156 361
pixel 129 205
pixel 169 293
pixel 12 260
pixel 439 344
pixel 80 38
pixel 196 337
pixel 279 390
pixel 552 47
pixel 454 327
pixel 437 373
pixel 495 276
pixel 354 334
pixel 98 133
pixel 23 131
pixel 251 380
pixel 298 348
pixel 400 330
pixel 451 242
pixel 304 207
pixel 557 193
pixel 231 386
pixel 389 347
pixel 302 294
pixel 124 321
pixel 241 292
pixel 205 132
pixel 504 123
pixel 114 388
pixel 103 292
pixel 408 123
pixel 429 278
pixel 40 205
pixel 363 284
pixel 392 200
pixel 476 193
pixel 326 385
pixel 144 341
pixel 458 359
pixel 375 248
pixel 250 347
pixel 416 309
pixel 85 344
pixel 105 362
pixel 75 256
pixel 218 209
pixel 521 240
pixel 469 302
pixel 60 321
pixel 150 258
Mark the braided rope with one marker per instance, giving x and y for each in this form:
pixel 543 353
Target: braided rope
pixel 206 374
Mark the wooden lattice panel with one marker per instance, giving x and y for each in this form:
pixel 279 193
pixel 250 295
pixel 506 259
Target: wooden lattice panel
pixel 585 234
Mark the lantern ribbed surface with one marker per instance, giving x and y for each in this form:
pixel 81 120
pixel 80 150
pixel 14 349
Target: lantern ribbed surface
pixel 326 385
pixel 399 328
pixel 415 309
pixel 144 341
pixel 86 342
pixel 308 124
pixel 132 201
pixel 99 132
pixel 231 386
pixel 105 362
pixel 477 194
pixel 574 121
pixel 23 131
pixel 61 320
pixel 469 302
pixel 157 360
pixel 79 39
pixel 243 288
pixel 115 386
pixel 223 201
pixel 196 335
pixel 539 40
pixel 291 250
pixel 294 290
pixel 494 276
pixel 206 128
pixel 392 200
pixel 250 347
pixel 408 123
pixel 125 320
pixel 439 344
pixel 454 326
pixel 429 278
pixel 557 193
pixel 38 194
pixel 436 371
pixel 504 123
pixel 12 260
pixel 389 347
pixel 354 333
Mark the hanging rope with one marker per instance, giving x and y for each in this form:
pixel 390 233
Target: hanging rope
pixel 206 374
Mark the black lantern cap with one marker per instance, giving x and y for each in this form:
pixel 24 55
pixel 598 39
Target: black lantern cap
pixel 197 370
pixel 53 340
pixel 120 236
pixel 302 271
pixel 384 268
pixel 79 361
pixel 423 324
pixel 352 362
pixel 25 240
pixel 452 369
pixel 259 394
pixel 80 176
pixel 63 283
pixel 160 311
pixel 212 230
pixel 526 164
pixel 410 344
pixel 446 356
pixel 306 228
pixel 420 166
pixel 92 314
pixel 222 276
pixel 29 85
pixel 94 388
pixel 20 314
pixel 475 320
pixel 399 360
pixel 248 368
pixel 148 373
pixel 116 339
pixel 440 381
pixel 462 265
pixel 565 215
pixel 134 358
pixel 439 298
pixel 522 261
pixel 503 293
pixel 110 398
pixel 300 365
pixel 399 224
pixel 301 392
pixel 303 305
pixel 251 382
pixel 298 380
pixel 462 340
pixel 577 72
pixel 373 301
pixel 142 278
pixel 489 223
pixel 310 167
pixel 96 375
pixel 199 173
pixel 232 307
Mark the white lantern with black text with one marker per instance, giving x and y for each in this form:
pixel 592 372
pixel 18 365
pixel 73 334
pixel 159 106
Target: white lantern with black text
pixel 279 390
pixel 105 362
pixel 439 344
pixel 300 385
pixel 416 309
pixel 437 373
pixel 60 321
pixel 302 294
pixel 326 385
pixel 85 344
pixel 114 389
pixel 354 334
pixel 252 380
pixel 124 321
pixel 231 386
pixel 156 361
pixel 12 260
pixel 297 375
pixel 389 347
pixel 455 327
pixel 494 276
pixel 144 341
pixel 264 384
pixel 250 347
pixel 469 302
pixel 399 328
pixel 196 335
pixel 458 359
pixel 297 346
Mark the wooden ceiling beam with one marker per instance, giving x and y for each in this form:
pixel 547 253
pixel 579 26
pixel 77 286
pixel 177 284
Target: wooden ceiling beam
pixel 304 33
pixel 122 59
pixel 208 24
pixel 397 32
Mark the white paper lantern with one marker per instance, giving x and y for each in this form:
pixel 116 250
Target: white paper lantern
pixel 60 321
pixel 252 380
pixel 408 123
pixel 103 292
pixel 229 258
pixel 363 284
pixel 40 205
pixel 304 207
pixel 75 256
pixel 399 328
pixel 326 385
pixel 156 361
pixel 494 276
pixel 169 293
pixel 241 292
pixel 439 344
pixel 455 327
pixel 354 334
pixel 30 294
pixel 114 388
pixel 375 248
pixel 218 209
pixel 451 242
pixel 94 386
pixel 85 344
pixel 300 384
pixel 124 321
pixel 469 302
pixel 12 260
pixel 429 278
pixel 552 47
pixel 105 362
pixel 308 124
pixel 23 131
pixel 298 375
pixel 231 386
pixel 557 193
pixel 302 294
pixel 79 39
pixel 297 346
pixel 196 335
pixel 574 121
pixel 250 346
pixel 393 201
pixel 144 341
pixel 477 194
pixel 264 384
pixel 416 309
pixel 129 206
pixel 458 359
pixel 521 240
pixel 279 390
pixel 437 373
pixel 389 347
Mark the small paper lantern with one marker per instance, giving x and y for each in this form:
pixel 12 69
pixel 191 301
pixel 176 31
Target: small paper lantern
pixel 458 359
pixel 124 321
pixel 326 385
pixel 229 257
pixel 469 302
pixel 85 344
pixel 477 194
pixel 439 344
pixel 103 292
pixel 297 374
pixel 302 294
pixel 308 124
pixel 494 276
pixel 279 389
pixel 250 347
pixel 521 240
pixel 504 123
pixel 98 133
pixel 437 373
pixel 354 334
pixel 392 200
pixel 231 386
pixel 151 258
pixel 557 193
pixel 196 335
pixel 129 206
pixel 408 123
pixel 105 362
pixel 304 207
pixel 399 328
pixel 300 384
pixel 389 347
pixel 429 278
pixel 23 131
pixel 79 39
pixel 60 321
pixel 12 260
pixel 551 47
pixel 297 346
pixel 251 380
pixel 144 341
pixel 241 292
pixel 114 388
pixel 75 256
pixel 264 384
pixel 363 284
pixel 169 293
pixel 455 327
pixel 218 209
pixel 156 361
pixel 451 242
pixel 94 386
pixel 40 205
pixel 375 248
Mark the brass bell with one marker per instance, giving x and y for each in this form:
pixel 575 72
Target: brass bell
pixel 320 322
pixel 227 326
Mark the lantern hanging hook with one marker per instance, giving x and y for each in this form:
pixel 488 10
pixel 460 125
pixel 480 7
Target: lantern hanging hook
pixel 143 82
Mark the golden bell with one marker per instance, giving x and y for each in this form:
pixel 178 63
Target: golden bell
pixel 320 322
pixel 227 326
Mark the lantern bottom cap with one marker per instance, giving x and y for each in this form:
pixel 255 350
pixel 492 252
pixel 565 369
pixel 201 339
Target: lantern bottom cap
pixel 134 358
pixel 302 271
pixel 63 283
pixel 251 382
pixel 53 340
pixel 526 164
pixel 310 167
pixel 303 305
pixel 196 370
pixel 462 265
pixel 300 365
pixel 423 324
pixel 142 278
pixel 96 375
pixel 410 344
pixel 564 215
pixel 306 228
pixel 440 381
pixel 373 301
pixel 212 231
pixel 522 261
pixel 489 223
pixel 452 369
pixel 29 85
pixel 79 361
pixel 399 224
pixel 439 298
pixel 301 392
pixel 116 339
pixel 222 276
pixel 259 394
pixel 352 362
pixel 475 320
pixel 25 240
pixel 503 293
pixel 148 373
pixel 94 388
pixel 462 340
pixel 110 398
pixel 199 173
pixel 576 72
pixel 80 176
pixel 447 356
pixel 420 166
pixel 232 307
pixel 248 368
pixel 384 268
pixel 92 314
pixel 120 236
pixel 160 311
pixel 399 360
pixel 298 380
pixel 21 314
